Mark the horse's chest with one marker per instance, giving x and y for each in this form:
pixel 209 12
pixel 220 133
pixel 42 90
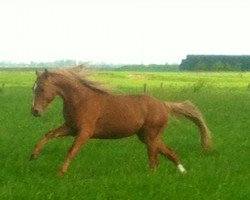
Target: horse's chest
pixel 70 117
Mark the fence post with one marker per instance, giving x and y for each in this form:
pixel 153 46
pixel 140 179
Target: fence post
pixel 145 87
pixel 161 85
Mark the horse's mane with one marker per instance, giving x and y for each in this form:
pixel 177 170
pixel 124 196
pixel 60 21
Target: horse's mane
pixel 81 74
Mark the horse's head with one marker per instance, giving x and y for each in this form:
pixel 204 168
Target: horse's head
pixel 44 93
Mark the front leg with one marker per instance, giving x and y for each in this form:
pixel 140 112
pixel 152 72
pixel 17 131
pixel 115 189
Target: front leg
pixel 58 132
pixel 80 140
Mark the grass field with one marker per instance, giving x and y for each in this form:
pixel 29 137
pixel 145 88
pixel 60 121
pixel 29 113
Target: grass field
pixel 108 169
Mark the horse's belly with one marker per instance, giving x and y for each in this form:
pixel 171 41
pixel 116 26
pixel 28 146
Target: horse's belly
pixel 117 129
pixel 111 135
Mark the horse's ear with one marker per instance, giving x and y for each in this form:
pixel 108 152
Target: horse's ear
pixel 46 72
pixel 38 73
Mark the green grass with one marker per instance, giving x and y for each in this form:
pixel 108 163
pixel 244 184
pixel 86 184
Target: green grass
pixel 106 169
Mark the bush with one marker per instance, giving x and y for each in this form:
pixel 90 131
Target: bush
pixel 2 87
pixel 199 85
pixel 248 86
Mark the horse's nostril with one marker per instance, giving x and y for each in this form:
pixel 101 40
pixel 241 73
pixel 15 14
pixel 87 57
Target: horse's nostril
pixel 35 112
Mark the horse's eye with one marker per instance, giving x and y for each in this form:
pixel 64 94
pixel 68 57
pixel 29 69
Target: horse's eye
pixel 39 90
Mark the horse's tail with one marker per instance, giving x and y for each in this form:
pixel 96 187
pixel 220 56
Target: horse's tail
pixel 191 112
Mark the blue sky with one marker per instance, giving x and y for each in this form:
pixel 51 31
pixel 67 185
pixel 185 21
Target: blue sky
pixel 122 31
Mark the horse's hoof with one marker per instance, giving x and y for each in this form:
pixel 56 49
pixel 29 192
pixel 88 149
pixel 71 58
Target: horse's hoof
pixel 33 157
pixel 60 173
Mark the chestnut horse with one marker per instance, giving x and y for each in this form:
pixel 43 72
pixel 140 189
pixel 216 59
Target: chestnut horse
pixel 93 112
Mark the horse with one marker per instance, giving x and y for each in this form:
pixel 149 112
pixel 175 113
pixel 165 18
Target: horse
pixel 93 112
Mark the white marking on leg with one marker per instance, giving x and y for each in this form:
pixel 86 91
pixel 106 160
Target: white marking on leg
pixel 182 169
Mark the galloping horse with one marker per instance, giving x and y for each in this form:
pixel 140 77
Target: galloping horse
pixel 93 112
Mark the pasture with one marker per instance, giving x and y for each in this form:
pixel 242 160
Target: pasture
pixel 118 169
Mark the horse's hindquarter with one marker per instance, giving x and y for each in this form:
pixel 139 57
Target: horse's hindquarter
pixel 122 116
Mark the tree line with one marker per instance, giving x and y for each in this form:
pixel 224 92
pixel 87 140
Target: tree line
pixel 101 66
pixel 57 63
pixel 149 68
pixel 215 63
pixel 191 63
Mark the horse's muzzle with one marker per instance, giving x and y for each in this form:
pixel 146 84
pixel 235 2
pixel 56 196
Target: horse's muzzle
pixel 35 112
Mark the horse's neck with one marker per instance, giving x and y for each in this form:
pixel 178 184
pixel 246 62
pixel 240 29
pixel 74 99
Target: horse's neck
pixel 73 93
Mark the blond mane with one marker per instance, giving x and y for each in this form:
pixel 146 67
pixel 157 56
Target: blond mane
pixel 81 74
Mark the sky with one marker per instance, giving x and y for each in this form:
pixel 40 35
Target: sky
pixel 122 31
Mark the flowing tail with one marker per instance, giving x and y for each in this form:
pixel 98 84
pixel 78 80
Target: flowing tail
pixel 189 111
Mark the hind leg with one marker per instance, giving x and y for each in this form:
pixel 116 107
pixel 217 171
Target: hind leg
pixel 170 154
pixel 153 155
pixel 150 139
